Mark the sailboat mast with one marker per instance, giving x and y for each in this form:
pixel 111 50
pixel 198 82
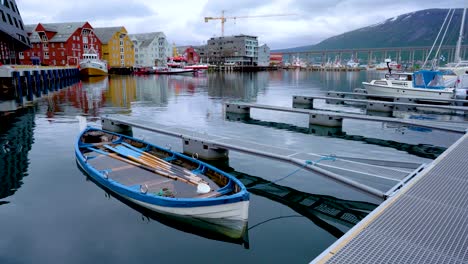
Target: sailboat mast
pixel 460 37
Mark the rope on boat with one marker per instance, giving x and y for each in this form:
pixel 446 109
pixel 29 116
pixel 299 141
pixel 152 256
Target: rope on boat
pixel 331 157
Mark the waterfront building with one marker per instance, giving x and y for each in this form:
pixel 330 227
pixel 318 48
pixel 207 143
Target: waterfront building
pixel 263 55
pixel 189 53
pixel 276 59
pixel 117 47
pixel 151 49
pixel 60 44
pixel 13 36
pixel 238 50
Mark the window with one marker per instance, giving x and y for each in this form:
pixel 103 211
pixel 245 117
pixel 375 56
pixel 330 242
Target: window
pixel 61 45
pixel 63 53
pixel 9 19
pixel 21 55
pixel 73 37
pixel 46 55
pixel 121 43
pixel 53 53
pixel 121 49
pixel 122 57
pixel 78 38
pixel 85 46
pixel 54 62
pixel 29 54
pixel 3 16
pixel 53 46
pixel 45 46
pixel 73 45
pixel 63 62
pixel 16 22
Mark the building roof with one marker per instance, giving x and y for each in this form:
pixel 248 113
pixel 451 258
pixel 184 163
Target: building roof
pixel 105 33
pixel 29 28
pixel 63 31
pixel 145 39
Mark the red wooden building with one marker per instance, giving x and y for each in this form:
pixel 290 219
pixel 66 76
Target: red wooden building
pixel 59 44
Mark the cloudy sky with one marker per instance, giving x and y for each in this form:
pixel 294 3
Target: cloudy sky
pixel 307 21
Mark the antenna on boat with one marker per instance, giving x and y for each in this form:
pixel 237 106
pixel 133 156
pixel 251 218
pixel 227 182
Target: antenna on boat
pixel 388 65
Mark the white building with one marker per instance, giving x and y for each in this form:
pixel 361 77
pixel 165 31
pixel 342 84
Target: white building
pixel 151 49
pixel 263 55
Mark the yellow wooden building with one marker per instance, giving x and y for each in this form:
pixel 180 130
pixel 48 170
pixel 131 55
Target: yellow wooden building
pixel 117 48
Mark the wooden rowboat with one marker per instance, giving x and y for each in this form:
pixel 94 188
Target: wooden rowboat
pixel 160 179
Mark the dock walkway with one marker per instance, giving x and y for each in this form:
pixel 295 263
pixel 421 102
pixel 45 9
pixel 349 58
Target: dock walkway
pixel 426 222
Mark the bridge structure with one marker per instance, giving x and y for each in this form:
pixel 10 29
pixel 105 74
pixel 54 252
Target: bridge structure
pixel 409 55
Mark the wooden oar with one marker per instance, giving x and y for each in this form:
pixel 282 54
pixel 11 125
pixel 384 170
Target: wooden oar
pixel 202 187
pixel 137 164
pixel 158 162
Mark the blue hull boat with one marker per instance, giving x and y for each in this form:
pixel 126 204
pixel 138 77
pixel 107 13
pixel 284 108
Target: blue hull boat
pixel 162 180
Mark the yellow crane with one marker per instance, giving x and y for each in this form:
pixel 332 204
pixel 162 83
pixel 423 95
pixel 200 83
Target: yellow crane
pixel 224 18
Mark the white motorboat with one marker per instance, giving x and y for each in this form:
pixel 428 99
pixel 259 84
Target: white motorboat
pixel 424 83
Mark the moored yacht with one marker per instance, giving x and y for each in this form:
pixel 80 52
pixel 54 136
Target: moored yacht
pixel 423 83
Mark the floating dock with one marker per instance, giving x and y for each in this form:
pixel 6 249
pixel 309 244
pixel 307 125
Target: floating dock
pixel 383 106
pixel 426 222
pixel 379 178
pixel 335 119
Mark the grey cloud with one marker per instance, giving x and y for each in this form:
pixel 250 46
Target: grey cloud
pixel 104 9
pixel 232 8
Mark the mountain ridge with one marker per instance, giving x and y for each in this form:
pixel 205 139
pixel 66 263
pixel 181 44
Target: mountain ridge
pixel 418 28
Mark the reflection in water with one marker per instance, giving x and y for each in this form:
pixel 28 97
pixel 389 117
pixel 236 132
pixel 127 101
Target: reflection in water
pixel 217 229
pixel 122 91
pixel 16 138
pixel 420 150
pixel 237 85
pixel 152 89
pixel 334 215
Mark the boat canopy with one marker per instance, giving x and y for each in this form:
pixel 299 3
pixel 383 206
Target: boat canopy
pixel 428 79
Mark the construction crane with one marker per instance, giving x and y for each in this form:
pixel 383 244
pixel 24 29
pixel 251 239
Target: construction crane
pixel 224 18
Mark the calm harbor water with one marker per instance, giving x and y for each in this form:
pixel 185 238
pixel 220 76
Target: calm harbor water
pixel 50 212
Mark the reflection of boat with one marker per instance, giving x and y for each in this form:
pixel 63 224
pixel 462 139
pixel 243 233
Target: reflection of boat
pixel 208 229
pixel 162 180
pixel 422 83
pixel 91 65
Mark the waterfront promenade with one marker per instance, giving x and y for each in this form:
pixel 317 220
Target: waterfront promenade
pixel 426 222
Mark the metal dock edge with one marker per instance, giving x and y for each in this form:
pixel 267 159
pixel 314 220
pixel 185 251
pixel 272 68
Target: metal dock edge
pixel 426 222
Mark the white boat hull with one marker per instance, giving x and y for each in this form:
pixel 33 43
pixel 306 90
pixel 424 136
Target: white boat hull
pixel 93 68
pixel 408 92
pixel 233 211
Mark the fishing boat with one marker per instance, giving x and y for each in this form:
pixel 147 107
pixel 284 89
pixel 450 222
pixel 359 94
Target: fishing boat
pixel 91 65
pixel 160 179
